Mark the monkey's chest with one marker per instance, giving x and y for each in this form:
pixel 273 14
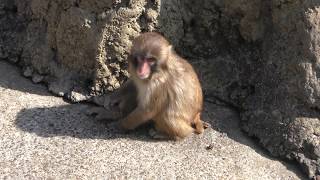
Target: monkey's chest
pixel 151 97
pixel 144 96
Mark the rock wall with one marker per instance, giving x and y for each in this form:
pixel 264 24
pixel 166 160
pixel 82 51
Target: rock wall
pixel 283 111
pixel 261 57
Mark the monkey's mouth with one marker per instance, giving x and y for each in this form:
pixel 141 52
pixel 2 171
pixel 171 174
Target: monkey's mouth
pixel 143 76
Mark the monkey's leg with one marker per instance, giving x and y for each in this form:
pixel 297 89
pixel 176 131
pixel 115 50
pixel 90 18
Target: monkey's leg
pixel 182 129
pixel 174 128
pixel 136 118
pixel 123 100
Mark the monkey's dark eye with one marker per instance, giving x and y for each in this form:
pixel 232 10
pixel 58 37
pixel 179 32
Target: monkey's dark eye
pixel 135 61
pixel 151 61
pixel 153 64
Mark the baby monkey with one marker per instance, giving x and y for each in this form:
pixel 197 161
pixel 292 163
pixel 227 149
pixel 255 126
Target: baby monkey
pixel 167 89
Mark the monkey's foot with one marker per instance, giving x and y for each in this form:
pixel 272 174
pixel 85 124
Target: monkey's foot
pixel 116 127
pixel 206 125
pixel 157 135
pixel 99 113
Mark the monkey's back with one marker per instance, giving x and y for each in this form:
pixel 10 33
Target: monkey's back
pixel 184 100
pixel 187 90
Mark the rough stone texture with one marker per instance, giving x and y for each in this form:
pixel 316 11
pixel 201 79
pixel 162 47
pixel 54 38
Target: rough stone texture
pixel 261 57
pixel 43 137
pixel 283 111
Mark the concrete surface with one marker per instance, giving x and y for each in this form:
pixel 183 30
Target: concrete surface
pixel 42 136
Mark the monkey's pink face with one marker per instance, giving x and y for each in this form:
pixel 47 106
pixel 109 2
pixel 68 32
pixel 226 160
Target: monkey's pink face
pixel 144 66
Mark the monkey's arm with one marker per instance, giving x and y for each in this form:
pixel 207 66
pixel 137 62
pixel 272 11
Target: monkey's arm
pixel 123 100
pixel 136 118
pixel 128 88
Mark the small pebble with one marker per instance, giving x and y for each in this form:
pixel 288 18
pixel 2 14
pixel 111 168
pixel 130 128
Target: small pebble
pixel 209 147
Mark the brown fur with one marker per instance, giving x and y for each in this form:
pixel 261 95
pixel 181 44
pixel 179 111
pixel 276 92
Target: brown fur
pixel 171 97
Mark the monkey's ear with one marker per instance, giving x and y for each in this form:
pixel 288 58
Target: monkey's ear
pixel 170 48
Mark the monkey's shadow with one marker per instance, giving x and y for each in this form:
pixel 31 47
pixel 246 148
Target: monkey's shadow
pixel 72 120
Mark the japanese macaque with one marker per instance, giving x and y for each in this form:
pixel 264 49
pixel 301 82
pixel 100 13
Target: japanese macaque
pixel 168 90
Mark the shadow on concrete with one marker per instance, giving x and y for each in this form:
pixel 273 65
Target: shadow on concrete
pixel 71 120
pixel 10 78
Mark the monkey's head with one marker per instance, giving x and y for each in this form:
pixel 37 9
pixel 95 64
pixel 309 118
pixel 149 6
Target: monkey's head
pixel 149 55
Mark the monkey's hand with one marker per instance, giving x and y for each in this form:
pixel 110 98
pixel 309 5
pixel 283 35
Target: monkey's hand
pixel 99 113
pixel 157 135
pixel 117 128
pixel 125 125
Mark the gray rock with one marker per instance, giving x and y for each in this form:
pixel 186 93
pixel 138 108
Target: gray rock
pixel 37 78
pixel 3 55
pixel 28 71
pixel 76 96
pixel 58 88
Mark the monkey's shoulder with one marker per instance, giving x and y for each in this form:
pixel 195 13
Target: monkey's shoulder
pixel 185 65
